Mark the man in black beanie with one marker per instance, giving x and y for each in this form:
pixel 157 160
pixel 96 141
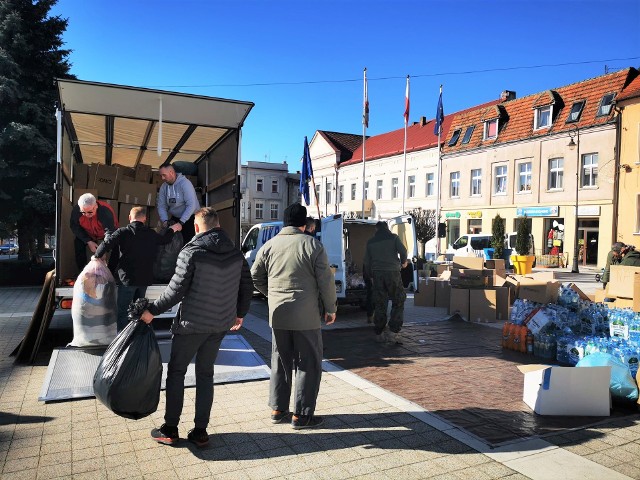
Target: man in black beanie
pixel 292 271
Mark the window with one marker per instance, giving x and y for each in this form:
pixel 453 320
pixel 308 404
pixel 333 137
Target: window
pixel 430 185
pixel 455 137
pixel 476 183
pixel 353 191
pixel 556 171
pixel 490 129
pixel 394 187
pixel 501 180
pixel 474 226
pixel 328 189
pixel 341 194
pixel 274 211
pixel 589 170
pixel 576 111
pixel 411 180
pixel 605 105
pixel 274 186
pixel 317 199
pixel 366 190
pixel 543 117
pixel 259 185
pixel 467 135
pixel 524 177
pixel 259 210
pixel 455 184
pixel 378 189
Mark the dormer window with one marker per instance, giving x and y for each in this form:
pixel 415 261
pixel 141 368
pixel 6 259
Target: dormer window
pixel 605 105
pixel 542 117
pixel 490 129
pixel 455 137
pixel 467 135
pixel 576 111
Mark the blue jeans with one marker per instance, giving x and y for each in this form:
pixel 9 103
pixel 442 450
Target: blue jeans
pixel 126 295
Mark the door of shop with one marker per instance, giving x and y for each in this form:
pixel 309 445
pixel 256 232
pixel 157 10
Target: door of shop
pixel 588 241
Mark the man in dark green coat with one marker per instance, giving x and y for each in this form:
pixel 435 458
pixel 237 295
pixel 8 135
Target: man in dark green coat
pixel 630 257
pixel 384 257
pixel 614 257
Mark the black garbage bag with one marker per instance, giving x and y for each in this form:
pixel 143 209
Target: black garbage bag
pixel 167 258
pixel 129 376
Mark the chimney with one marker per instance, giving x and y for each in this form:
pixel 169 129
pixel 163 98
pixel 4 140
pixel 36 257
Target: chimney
pixel 423 121
pixel 507 95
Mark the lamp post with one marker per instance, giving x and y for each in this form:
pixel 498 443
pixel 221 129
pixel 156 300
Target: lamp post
pixel 576 133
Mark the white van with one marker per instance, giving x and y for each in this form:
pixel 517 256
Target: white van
pixel 257 237
pixel 470 245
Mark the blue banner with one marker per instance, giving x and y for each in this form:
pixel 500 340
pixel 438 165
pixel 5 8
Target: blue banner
pixel 537 212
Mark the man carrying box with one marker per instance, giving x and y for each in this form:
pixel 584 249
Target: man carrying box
pixel 177 201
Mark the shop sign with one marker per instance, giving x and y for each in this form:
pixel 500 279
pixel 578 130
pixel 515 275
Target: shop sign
pixel 537 211
pixel 477 214
pixel 589 210
pixel 452 215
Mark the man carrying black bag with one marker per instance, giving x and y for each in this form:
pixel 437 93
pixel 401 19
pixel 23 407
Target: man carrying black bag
pixel 213 281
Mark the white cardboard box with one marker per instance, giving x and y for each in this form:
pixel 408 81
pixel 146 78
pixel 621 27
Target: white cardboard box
pixel 569 391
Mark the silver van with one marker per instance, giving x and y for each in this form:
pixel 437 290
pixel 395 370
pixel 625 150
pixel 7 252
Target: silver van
pixel 470 245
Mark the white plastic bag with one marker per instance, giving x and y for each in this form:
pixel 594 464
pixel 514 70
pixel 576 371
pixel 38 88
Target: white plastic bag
pixel 94 310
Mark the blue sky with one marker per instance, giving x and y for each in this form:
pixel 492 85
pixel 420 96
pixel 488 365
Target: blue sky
pixel 301 62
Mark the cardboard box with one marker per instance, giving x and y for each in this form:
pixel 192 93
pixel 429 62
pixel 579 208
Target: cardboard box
pixel 570 391
pixel 443 292
pixel 489 305
pixel 495 264
pixel 464 277
pixel 104 178
pixel 153 218
pixel 137 193
pixel 538 287
pixel 77 192
pixel 474 263
pixel 80 175
pixel 580 293
pixel 143 173
pixel 536 320
pixel 623 281
pixel 459 302
pixel 425 296
pixel 156 180
pixel 125 171
pixel 442 267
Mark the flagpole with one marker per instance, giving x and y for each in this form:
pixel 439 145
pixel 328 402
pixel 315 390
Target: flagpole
pixel 365 124
pixel 404 168
pixel 315 194
pixel 439 171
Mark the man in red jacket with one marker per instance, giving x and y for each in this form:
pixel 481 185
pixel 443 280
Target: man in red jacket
pixel 91 220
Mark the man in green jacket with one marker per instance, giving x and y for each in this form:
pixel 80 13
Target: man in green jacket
pixel 614 257
pixel 292 271
pixel 630 256
pixel 383 258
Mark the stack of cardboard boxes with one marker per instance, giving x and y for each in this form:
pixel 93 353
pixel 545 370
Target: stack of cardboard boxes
pixel 122 187
pixel 623 289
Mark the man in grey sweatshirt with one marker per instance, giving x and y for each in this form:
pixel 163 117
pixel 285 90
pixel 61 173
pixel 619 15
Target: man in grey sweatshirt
pixel 177 201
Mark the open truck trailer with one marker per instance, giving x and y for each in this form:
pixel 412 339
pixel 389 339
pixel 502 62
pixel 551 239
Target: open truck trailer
pixel 103 124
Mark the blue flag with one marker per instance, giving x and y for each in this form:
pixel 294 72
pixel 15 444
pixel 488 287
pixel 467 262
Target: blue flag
pixel 307 173
pixel 439 117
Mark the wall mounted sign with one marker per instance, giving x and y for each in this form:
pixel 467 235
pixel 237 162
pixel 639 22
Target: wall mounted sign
pixel 537 211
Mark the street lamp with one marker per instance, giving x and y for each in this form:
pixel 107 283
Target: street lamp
pixel 576 133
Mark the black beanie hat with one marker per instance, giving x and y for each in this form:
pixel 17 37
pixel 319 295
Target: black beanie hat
pixel 295 215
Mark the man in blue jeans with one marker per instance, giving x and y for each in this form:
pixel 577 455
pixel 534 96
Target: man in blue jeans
pixel 137 246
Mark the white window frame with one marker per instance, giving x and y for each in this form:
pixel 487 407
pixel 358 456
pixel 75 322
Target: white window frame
pixel 258 210
pixel 542 117
pixel 411 191
pixel 274 186
pixel 317 194
pixel 454 184
pixel 604 109
pixel 430 187
pixel 274 207
pixel 556 173
pixel 487 124
pixel 394 188
pixel 501 185
pixel 379 185
pixel 589 171
pixel 259 184
pixel 476 182
pixel 327 192
pixel 524 177
pixel 366 190
pixel 340 193
pixel 353 191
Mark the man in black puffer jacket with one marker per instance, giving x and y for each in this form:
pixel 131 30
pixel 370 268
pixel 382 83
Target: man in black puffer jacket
pixel 213 281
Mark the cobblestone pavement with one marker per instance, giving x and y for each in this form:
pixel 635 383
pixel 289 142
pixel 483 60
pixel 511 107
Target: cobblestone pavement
pixel 370 432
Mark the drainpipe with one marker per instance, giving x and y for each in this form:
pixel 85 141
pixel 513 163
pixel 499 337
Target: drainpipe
pixel 616 174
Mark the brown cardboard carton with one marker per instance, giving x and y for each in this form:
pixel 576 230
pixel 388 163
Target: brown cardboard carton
pixel 442 267
pixel 137 193
pixel 125 171
pixel 77 192
pixel 474 263
pixel 153 217
pixel 489 305
pixel 425 296
pixel 580 293
pixel 623 281
pixel 156 180
pixel 600 295
pixel 459 302
pixel 104 178
pixel 538 291
pixel 496 264
pixel 80 175
pixel 125 209
pixel 443 292
pixel 464 277
pixel 143 173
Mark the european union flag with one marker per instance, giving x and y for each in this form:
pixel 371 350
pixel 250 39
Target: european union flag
pixel 307 173
pixel 439 117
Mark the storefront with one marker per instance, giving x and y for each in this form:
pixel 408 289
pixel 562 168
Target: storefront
pixel 453 226
pixel 474 222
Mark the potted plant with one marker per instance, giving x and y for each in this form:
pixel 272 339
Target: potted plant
pixel 523 261
pixel 497 241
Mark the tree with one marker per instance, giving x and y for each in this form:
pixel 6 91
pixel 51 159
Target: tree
pixel 31 57
pixel 425 223
pixel 523 237
pixel 497 241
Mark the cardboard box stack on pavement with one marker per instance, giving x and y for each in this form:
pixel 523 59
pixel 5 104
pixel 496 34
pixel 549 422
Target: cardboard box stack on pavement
pixel 624 287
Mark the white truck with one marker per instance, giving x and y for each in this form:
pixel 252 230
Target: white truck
pixel 345 241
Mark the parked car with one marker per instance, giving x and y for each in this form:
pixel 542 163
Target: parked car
pixel 8 249
pixel 470 245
